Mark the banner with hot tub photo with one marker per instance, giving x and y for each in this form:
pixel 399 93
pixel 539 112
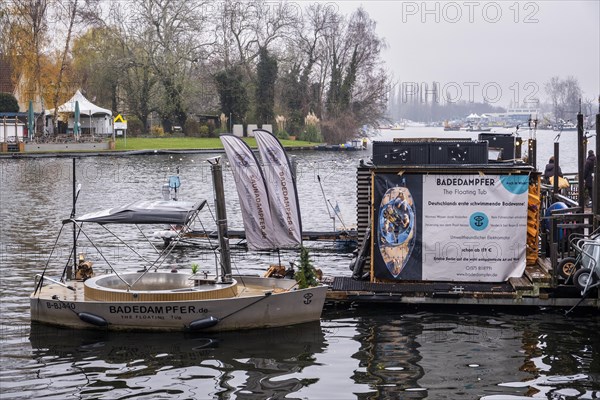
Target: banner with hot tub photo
pixel 462 228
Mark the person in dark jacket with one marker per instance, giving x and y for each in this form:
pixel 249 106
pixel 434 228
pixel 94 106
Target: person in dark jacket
pixel 588 170
pixel 549 171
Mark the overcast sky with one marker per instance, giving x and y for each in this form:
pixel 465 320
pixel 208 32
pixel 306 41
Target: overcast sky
pixel 502 50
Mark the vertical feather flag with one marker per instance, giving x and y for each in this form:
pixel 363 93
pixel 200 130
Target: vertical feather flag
pixel 252 192
pixel 281 188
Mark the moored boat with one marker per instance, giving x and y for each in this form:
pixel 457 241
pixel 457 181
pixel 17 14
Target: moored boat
pixel 154 300
pixel 452 126
pixel 165 301
pixel 564 126
pixel 477 128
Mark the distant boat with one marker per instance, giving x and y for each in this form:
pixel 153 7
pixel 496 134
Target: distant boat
pixel 451 126
pixel 353 145
pixel 477 128
pixel 564 126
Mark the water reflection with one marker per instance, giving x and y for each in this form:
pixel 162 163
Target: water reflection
pixel 255 364
pixel 389 359
pixel 473 354
pixel 559 354
pixel 365 352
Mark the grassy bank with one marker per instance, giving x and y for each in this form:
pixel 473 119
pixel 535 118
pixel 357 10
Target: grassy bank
pixel 189 143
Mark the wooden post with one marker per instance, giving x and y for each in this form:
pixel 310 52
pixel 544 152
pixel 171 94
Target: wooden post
pixel 531 152
pixel 72 269
pixel 4 144
pixel 580 161
pixel 556 166
pixel 217 176
pixel 293 164
pixel 5 132
pixel 596 187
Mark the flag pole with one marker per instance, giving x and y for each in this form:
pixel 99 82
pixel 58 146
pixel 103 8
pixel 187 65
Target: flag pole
pixel 326 202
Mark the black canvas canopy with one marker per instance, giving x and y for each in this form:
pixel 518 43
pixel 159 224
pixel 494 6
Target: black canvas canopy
pixel 146 212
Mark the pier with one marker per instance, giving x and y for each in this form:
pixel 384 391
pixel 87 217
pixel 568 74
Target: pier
pixel 349 236
pixel 534 288
pixel 401 268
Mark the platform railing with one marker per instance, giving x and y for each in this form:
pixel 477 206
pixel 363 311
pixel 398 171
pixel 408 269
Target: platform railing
pixel 559 224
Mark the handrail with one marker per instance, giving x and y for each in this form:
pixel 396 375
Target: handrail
pixel 42 277
pixel 567 200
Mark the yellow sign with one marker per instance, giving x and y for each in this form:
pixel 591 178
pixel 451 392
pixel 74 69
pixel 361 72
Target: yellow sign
pixel 119 118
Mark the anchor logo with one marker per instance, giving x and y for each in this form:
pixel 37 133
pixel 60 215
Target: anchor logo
pixel 307 298
pixel 479 221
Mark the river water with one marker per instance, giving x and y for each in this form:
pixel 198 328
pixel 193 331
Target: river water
pixel 362 351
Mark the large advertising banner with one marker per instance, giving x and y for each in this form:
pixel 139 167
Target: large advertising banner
pixel 464 228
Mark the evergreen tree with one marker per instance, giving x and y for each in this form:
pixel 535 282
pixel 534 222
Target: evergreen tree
pixel 266 72
pixel 306 276
pixel 232 93
pixel 292 92
pixel 8 103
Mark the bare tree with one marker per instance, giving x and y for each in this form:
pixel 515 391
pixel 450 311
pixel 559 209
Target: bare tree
pixel 175 36
pixel 564 95
pixel 69 11
pixel 136 80
pixel 358 85
pixel 306 64
pixel 246 27
pixel 96 65
pixel 25 31
pixel 72 14
pixel 321 20
pixel 158 54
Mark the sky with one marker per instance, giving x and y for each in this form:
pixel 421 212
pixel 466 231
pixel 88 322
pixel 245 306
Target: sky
pixel 501 50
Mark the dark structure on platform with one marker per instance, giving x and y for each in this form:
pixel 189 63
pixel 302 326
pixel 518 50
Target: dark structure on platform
pixel 430 213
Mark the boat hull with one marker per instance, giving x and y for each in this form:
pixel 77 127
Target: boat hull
pixel 262 303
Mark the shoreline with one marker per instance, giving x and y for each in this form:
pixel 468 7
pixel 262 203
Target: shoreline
pixel 123 153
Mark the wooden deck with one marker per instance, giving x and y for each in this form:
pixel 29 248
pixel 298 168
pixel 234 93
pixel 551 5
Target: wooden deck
pixel 534 288
pixel 332 236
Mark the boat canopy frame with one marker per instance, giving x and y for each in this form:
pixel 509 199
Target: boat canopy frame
pixel 146 212
pixel 178 214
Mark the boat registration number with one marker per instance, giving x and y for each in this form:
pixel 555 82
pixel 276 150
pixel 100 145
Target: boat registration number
pixel 60 306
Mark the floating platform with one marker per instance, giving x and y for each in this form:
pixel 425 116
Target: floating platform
pixel 534 288
pixel 349 237
pixel 338 147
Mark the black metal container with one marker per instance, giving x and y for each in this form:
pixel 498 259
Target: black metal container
pixel 400 153
pixel 458 153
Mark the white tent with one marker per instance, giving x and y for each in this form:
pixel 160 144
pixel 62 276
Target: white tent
pixel 93 119
pixel 86 107
pixel 473 116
